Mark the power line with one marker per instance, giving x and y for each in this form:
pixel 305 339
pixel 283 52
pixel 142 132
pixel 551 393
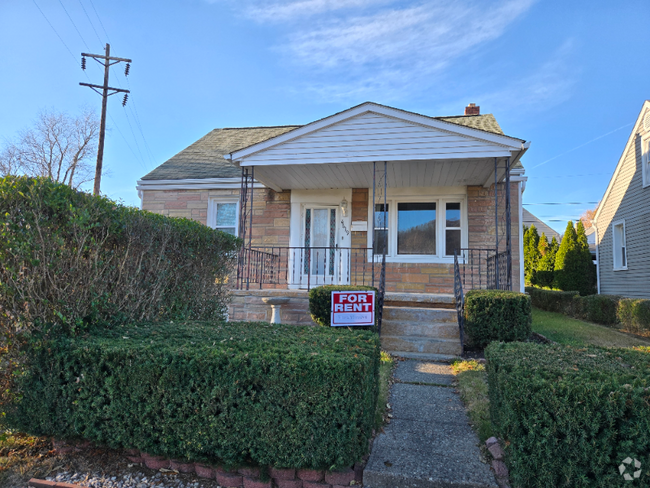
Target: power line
pixel 570 176
pixel 91 23
pixel 74 25
pixel 100 20
pixel 563 203
pixel 55 31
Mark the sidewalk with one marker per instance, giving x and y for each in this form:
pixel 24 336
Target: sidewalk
pixel 429 442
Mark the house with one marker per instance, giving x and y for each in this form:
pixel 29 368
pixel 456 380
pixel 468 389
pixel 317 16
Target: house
pixel 622 221
pixel 542 228
pixel 372 195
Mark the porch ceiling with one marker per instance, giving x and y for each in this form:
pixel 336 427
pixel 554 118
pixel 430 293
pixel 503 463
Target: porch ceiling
pixel 432 173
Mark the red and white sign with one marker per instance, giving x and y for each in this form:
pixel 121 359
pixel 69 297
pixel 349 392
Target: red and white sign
pixel 351 308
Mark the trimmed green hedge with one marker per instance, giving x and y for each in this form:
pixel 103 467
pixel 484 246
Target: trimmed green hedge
pixel 634 315
pixel 320 301
pixel 600 309
pixel 284 396
pixel 552 300
pixel 495 315
pixel 569 416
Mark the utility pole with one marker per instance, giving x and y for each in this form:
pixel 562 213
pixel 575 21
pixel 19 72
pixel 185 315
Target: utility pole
pixel 107 61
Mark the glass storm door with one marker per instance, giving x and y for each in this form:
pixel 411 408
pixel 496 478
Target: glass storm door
pixel 320 253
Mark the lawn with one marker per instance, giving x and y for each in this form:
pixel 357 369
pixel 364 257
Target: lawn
pixel 566 330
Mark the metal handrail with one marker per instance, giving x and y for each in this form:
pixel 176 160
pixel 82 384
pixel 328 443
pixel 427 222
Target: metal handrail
pixel 460 303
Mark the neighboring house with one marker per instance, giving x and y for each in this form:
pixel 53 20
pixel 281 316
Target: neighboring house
pixel 529 219
pixel 622 221
pixel 330 201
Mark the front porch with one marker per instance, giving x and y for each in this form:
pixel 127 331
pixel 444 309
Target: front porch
pixel 379 197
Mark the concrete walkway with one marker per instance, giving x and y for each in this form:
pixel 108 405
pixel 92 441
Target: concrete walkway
pixel 429 442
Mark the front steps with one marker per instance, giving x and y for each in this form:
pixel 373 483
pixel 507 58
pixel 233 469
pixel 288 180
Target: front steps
pixel 419 332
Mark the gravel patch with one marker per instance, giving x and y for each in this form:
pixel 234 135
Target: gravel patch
pixel 132 480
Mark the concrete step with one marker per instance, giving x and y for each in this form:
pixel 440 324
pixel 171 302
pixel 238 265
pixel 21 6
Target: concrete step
pixel 421 356
pixel 420 344
pixel 424 315
pixel 435 330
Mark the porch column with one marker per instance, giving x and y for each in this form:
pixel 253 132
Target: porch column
pixel 508 230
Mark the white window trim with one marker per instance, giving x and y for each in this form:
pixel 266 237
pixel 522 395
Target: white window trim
pixel 211 220
pixel 614 250
pixel 645 160
pixel 440 201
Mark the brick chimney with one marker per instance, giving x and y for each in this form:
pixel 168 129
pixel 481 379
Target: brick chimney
pixel 472 109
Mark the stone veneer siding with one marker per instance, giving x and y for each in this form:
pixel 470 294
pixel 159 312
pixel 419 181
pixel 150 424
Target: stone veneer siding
pixel 271 228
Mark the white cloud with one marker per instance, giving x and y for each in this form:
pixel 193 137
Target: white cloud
pixel 290 10
pixel 425 36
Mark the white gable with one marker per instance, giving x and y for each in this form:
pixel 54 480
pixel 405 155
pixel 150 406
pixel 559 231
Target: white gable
pixel 375 133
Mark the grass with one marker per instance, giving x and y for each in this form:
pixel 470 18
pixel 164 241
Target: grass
pixel 386 367
pixel 473 389
pixel 566 330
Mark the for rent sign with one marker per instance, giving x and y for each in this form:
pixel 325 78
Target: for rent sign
pixel 353 308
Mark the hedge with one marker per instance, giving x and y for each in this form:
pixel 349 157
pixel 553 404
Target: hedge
pixel 568 416
pixel 234 393
pixel 552 300
pixel 71 259
pixel 632 315
pixel 495 315
pixel 320 301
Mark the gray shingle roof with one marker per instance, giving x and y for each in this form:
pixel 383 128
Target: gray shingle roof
pixel 204 158
pixel 529 219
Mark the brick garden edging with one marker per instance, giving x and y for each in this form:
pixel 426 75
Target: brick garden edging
pixel 248 477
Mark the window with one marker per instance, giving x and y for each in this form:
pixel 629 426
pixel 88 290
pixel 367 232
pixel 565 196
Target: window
pixel 222 215
pixel 452 228
pixel 416 230
pixel 645 160
pixel 620 251
pixel 381 229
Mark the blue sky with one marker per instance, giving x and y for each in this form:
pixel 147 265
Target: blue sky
pixel 569 76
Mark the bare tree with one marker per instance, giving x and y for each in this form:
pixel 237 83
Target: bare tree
pixel 58 146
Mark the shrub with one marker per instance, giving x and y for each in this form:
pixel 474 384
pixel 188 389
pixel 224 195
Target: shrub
pixel 320 301
pixel 285 396
pixel 600 309
pixel 71 259
pixel 569 416
pixel 552 300
pixel 574 269
pixel 495 315
pixel 634 315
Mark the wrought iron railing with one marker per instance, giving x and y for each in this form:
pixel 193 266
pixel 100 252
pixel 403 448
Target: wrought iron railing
pixel 460 303
pixel 483 269
pixel 306 267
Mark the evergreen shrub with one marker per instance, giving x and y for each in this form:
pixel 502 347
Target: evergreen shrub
pixel 320 301
pixel 634 315
pixel 71 259
pixel 496 315
pixel 570 416
pixel 552 300
pixel 233 393
pixel 600 309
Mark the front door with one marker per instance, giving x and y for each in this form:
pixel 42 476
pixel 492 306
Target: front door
pixel 320 256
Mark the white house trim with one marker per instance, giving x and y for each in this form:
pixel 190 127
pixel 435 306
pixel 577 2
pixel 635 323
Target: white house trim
pixel 507 144
pixel 615 249
pixel 440 195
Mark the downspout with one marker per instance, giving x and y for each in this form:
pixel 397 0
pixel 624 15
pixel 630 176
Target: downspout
pixel 522 279
pixel 593 223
